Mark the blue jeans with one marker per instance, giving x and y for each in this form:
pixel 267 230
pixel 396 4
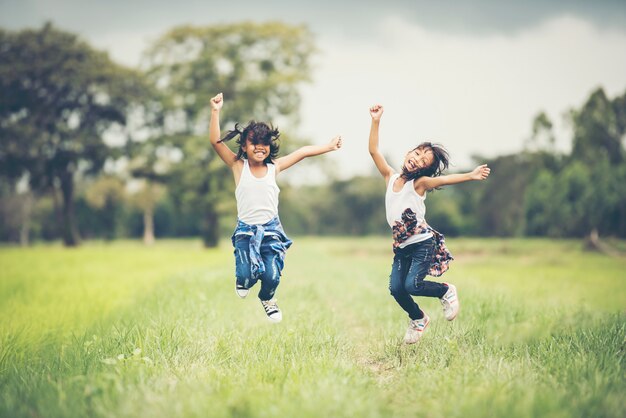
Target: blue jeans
pixel 271 250
pixel 410 265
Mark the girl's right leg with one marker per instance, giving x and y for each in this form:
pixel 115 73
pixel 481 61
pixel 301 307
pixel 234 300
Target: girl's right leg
pixel 397 279
pixel 419 320
pixel 243 271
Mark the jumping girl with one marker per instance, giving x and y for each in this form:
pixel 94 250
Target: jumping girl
pixel 418 249
pixel 259 240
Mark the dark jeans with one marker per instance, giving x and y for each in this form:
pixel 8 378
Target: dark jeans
pixel 270 253
pixel 410 265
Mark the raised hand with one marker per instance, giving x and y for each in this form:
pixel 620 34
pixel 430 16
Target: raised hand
pixel 480 173
pixel 217 102
pixel 335 143
pixel 376 111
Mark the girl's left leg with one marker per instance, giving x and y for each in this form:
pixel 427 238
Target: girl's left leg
pixel 417 286
pixel 270 279
pixel 414 282
pixel 272 253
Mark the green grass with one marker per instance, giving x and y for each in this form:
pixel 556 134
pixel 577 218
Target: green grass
pixel 121 330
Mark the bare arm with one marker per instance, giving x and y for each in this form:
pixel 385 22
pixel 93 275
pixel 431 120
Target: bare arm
pixel 428 183
pixel 300 154
pixel 384 168
pixel 221 148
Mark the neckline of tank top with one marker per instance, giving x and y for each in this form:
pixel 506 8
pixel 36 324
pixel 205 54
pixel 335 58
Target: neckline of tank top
pixel 393 180
pixel 267 173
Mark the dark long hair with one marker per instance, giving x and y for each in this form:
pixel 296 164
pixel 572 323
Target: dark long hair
pixel 441 161
pixel 256 133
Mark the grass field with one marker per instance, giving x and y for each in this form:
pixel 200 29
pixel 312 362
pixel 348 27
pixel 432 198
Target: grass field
pixel 121 330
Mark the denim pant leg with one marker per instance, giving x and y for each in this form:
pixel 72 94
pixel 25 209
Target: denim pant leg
pixel 397 278
pixel 243 272
pixel 421 256
pixel 271 249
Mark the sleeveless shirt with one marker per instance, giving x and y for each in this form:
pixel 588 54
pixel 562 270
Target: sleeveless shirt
pixel 257 198
pixel 405 211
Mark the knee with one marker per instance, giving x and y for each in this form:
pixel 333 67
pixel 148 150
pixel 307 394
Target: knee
pixel 243 272
pixel 415 286
pixel 271 274
pixel 396 289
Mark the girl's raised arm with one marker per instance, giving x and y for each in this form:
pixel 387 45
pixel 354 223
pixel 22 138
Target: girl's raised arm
pixel 428 183
pixel 300 154
pixel 385 169
pixel 221 148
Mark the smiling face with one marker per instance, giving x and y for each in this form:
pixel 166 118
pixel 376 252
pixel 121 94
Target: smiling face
pixel 418 159
pixel 258 142
pixel 256 151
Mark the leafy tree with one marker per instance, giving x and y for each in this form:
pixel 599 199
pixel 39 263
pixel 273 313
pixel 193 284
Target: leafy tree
pixel 59 99
pixel 500 209
pixel 599 128
pixel 258 67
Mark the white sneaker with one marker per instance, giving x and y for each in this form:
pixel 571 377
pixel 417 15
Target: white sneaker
pixel 416 329
pixel 241 291
pixel 450 303
pixel 272 311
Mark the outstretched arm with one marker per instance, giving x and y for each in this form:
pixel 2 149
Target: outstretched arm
pixel 428 183
pixel 300 154
pixel 385 169
pixel 221 148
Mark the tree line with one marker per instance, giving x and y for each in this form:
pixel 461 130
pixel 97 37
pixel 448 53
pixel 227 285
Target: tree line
pixel 92 149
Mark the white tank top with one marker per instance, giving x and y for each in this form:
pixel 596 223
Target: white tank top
pixel 396 203
pixel 257 198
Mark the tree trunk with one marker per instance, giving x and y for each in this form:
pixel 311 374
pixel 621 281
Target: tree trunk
pixel 210 233
pixel 593 243
pixel 27 210
pixel 69 230
pixel 148 226
pixel 58 217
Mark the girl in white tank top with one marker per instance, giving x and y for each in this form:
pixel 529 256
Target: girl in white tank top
pixel 418 249
pixel 259 240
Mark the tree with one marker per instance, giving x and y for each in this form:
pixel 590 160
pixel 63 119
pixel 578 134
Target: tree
pixel 59 99
pixel 582 195
pixel 599 129
pixel 542 137
pixel 150 162
pixel 258 67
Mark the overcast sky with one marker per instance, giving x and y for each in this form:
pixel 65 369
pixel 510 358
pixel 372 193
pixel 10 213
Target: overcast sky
pixel 470 75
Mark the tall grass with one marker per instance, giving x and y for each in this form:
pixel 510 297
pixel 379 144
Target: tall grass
pixel 121 330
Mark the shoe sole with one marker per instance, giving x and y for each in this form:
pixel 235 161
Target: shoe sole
pixel 458 306
pixel 455 314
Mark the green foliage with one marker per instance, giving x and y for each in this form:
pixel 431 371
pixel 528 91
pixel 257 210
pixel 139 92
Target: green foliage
pixel 587 192
pixel 500 208
pixel 598 129
pixel 124 330
pixel 59 97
